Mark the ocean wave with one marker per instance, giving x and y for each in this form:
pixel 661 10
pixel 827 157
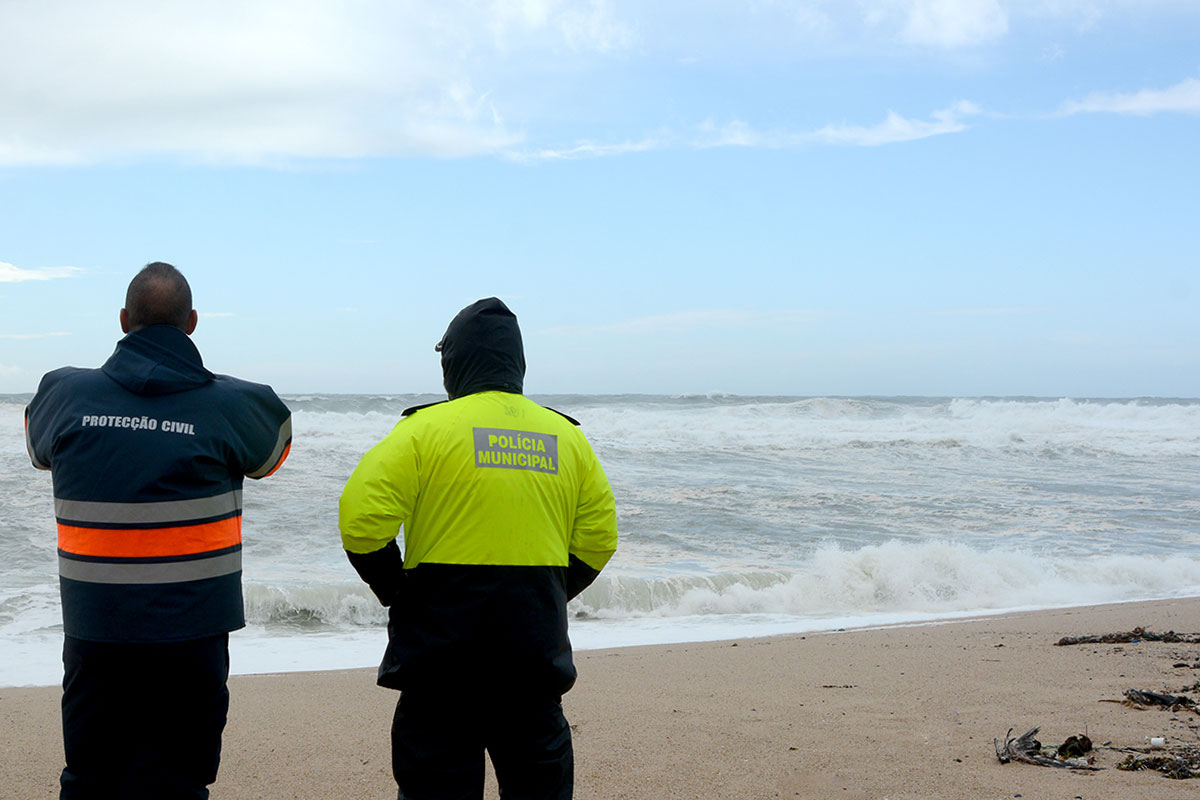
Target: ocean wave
pixel 895 577
pixel 391 405
pixel 898 577
pixel 312 605
pixel 829 425
pixel 29 610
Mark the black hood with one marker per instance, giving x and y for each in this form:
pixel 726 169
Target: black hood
pixel 158 359
pixel 482 351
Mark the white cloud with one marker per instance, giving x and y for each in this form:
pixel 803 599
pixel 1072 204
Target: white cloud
pixel 1182 98
pixel 954 23
pixel 896 128
pixel 944 24
pixel 590 150
pixel 12 274
pixel 24 336
pixel 274 81
pixel 259 80
pixel 578 26
pixel 893 129
pixel 7 371
pixel 741 134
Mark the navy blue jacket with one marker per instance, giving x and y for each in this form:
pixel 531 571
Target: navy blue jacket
pixel 148 454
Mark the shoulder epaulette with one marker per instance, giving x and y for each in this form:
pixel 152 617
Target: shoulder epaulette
pixel 414 409
pixel 567 417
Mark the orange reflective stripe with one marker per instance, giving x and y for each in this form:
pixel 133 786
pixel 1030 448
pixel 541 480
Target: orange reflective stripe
pixel 278 452
pixel 149 542
pixel 282 459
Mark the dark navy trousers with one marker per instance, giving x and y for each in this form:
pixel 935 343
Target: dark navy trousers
pixel 143 720
pixel 439 739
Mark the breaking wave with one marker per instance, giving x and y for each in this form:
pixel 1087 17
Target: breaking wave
pixel 896 577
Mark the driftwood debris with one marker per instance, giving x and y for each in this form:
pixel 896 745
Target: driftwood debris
pixel 1138 634
pixel 1141 700
pixel 1025 748
pixel 1181 766
pixel 1171 701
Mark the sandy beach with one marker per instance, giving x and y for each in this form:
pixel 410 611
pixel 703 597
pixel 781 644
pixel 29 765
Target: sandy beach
pixel 903 712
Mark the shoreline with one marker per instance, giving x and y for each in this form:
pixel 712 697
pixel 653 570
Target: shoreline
pixel 898 711
pixel 251 649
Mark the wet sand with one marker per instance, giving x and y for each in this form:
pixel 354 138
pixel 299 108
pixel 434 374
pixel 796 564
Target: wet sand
pixel 903 712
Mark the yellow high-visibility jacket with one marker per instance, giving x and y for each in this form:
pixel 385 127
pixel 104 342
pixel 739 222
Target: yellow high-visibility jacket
pixel 506 513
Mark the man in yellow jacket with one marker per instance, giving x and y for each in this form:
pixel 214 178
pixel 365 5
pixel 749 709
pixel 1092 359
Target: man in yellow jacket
pixel 507 514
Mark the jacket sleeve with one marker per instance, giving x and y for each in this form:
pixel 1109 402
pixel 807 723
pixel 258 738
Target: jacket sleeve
pixel 594 536
pixel 37 455
pixel 382 570
pixel 266 432
pixel 375 503
pixel 39 423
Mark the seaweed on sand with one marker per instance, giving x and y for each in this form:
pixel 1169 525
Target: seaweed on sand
pixel 1138 634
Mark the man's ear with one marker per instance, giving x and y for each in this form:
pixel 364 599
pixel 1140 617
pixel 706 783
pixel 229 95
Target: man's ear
pixel 124 321
pixel 193 318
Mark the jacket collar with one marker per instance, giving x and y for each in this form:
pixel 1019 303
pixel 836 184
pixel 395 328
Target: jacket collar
pixel 157 360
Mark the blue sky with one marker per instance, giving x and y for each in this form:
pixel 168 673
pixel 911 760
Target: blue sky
pixel 922 197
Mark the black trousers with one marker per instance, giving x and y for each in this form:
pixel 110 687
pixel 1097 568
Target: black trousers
pixel 439 739
pixel 143 720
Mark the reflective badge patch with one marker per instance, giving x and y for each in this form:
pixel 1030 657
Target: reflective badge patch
pixel 496 447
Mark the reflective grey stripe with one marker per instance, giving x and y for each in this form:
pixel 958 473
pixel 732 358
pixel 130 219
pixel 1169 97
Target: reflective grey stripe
pixel 170 572
pixel 166 511
pixel 285 435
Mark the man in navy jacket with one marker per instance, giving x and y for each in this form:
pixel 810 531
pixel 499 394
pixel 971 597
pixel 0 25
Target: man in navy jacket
pixel 148 454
